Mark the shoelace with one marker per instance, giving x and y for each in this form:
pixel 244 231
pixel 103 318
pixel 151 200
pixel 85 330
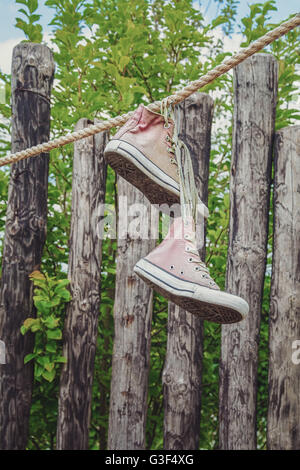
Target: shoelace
pixel 193 250
pixel 189 199
pixel 201 266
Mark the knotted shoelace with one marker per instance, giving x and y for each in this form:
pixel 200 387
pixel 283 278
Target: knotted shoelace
pixel 189 199
pixel 190 202
pixel 201 266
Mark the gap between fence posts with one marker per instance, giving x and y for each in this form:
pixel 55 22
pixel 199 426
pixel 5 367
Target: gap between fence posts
pixel 284 321
pixel 132 323
pixel 25 235
pixel 182 374
pixel 255 92
pixel 84 273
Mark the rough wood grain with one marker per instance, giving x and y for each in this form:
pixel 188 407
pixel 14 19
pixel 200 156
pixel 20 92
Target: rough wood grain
pixel 183 364
pixel 255 85
pixel 284 372
pixel 25 234
pixel 84 271
pixel 132 316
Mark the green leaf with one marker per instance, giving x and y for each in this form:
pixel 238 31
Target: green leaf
pixel 61 283
pixel 37 275
pixel 32 324
pixel 29 357
pixel 38 370
pixel 23 330
pixel 49 366
pixel 54 334
pixel 24 12
pixel 112 70
pixel 61 359
pixel 247 22
pixel 219 20
pixel 51 322
pixel 43 360
pixel 49 375
pixel 43 306
pixel 51 347
pixel 123 62
pixel 64 294
pixel 32 5
pixel 29 322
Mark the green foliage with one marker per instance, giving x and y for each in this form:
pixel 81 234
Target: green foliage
pixel 286 52
pixel 112 55
pixel 33 31
pixel 228 14
pixel 49 298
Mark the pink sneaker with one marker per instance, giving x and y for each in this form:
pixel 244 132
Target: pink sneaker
pixel 142 153
pixel 175 270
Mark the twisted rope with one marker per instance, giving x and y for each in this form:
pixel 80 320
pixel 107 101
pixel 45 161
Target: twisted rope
pixel 177 97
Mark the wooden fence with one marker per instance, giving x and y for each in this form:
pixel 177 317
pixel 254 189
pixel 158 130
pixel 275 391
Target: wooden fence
pixel 254 142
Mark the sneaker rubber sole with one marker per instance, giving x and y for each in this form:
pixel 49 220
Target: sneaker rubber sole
pixel 208 304
pixel 135 167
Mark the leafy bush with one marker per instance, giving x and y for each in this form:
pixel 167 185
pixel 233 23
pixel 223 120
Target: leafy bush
pixel 49 298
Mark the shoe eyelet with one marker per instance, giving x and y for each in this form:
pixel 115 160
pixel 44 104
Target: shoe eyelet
pixel 197 268
pixel 187 237
pixel 187 248
pixel 190 260
pixel 181 272
pixel 166 126
pixel 172 266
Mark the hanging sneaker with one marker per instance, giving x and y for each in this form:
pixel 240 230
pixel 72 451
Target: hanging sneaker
pixel 175 270
pixel 143 152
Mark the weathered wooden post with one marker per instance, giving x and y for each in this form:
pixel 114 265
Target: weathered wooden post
pixel 25 234
pixel 284 334
pixel 183 363
pixel 255 90
pixel 132 316
pixel 84 272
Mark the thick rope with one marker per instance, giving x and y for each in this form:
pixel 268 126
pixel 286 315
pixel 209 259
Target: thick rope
pixel 177 97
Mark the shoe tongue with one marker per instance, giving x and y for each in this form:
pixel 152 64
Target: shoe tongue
pixel 181 230
pixel 152 115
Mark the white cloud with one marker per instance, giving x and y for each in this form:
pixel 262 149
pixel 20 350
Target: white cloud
pixel 6 49
pixel 231 44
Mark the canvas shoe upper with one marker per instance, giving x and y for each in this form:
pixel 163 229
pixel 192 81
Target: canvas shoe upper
pixel 141 152
pixel 175 270
pixel 147 152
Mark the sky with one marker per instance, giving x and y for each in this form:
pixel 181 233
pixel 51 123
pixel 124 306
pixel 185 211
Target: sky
pixel 10 36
